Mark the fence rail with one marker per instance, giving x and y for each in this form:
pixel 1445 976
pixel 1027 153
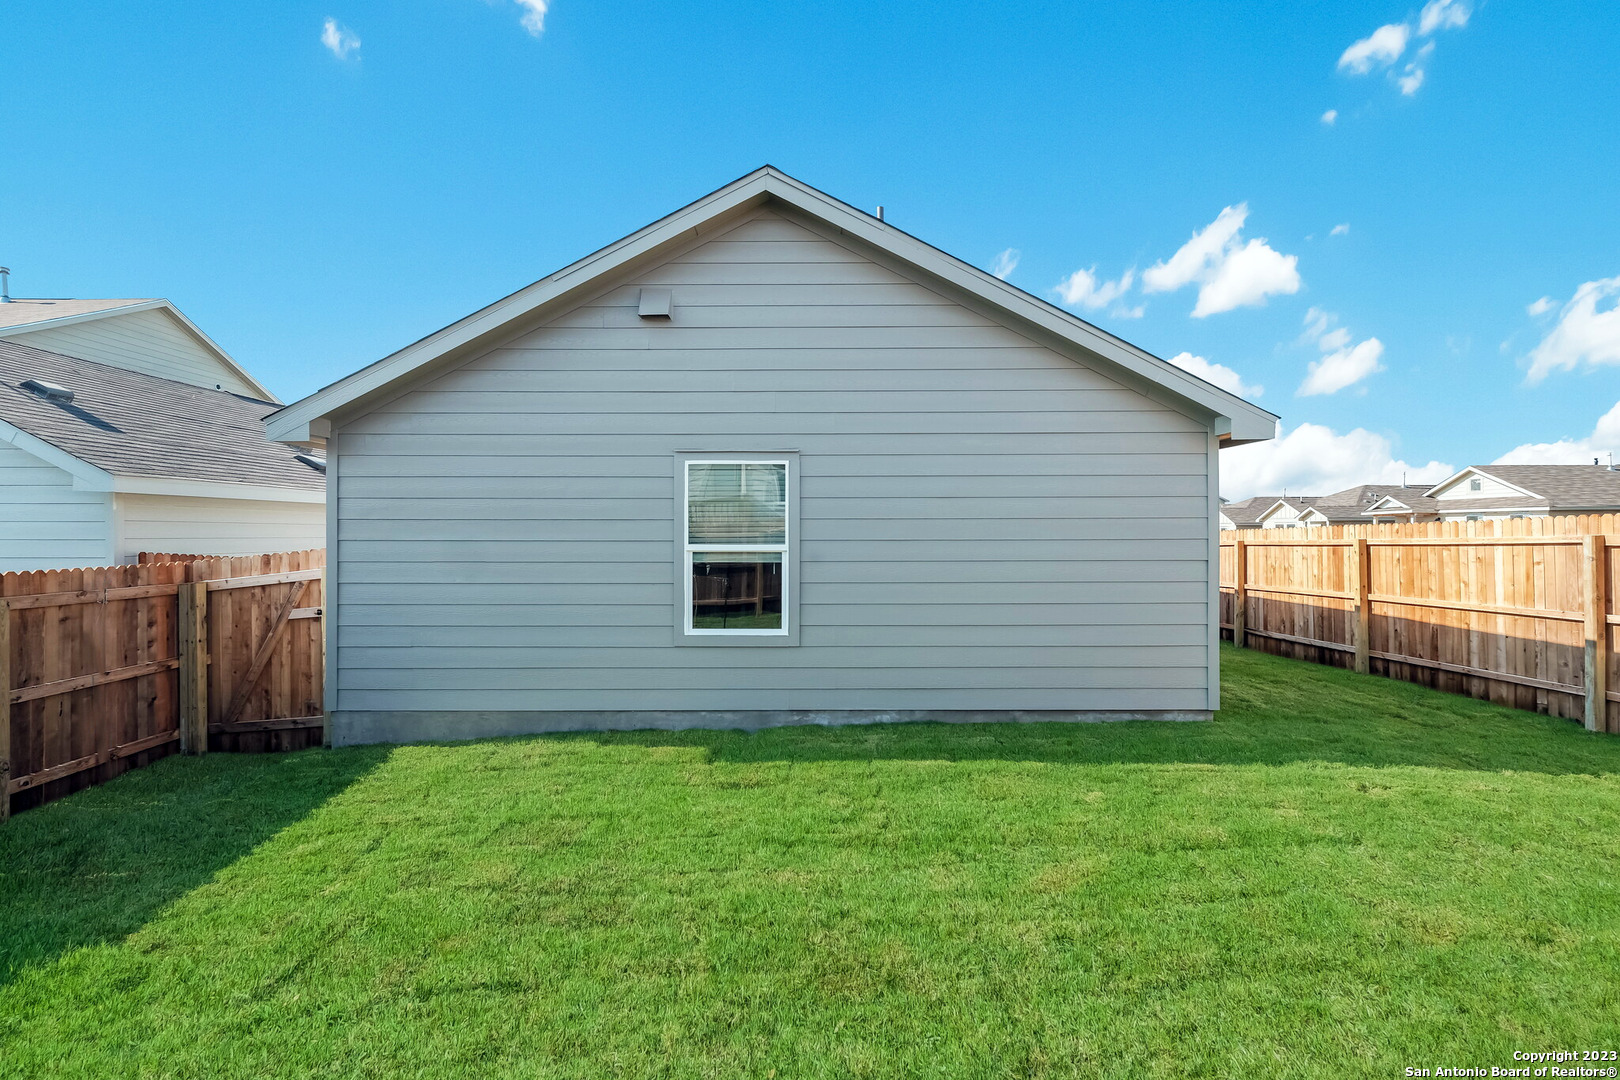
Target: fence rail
pixel 1519 612
pixel 107 669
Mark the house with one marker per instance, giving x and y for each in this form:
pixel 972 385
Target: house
pixel 1245 513
pixel 1355 505
pixel 1494 492
pixel 100 462
pixel 768 460
pixel 1286 512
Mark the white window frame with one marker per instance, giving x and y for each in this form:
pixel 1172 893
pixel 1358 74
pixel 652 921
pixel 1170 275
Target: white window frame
pixel 690 549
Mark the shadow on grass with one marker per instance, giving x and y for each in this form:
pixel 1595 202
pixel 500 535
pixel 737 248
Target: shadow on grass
pixel 1275 712
pixel 97 866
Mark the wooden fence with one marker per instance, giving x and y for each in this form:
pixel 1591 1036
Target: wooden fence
pixel 104 670
pixel 1521 612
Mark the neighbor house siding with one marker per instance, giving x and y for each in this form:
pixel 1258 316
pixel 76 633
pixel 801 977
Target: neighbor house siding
pixel 985 523
pixel 44 523
pixel 217 526
pixel 146 341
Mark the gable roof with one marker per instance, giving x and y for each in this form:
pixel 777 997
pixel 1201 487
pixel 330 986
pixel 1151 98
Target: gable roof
pixel 127 431
pixel 1351 504
pixel 1402 501
pixel 1243 422
pixel 1246 512
pixel 1569 488
pixel 26 315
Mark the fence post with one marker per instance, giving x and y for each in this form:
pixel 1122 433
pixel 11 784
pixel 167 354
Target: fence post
pixel 1595 601
pixel 5 710
pixel 194 667
pixel 1240 592
pixel 1359 585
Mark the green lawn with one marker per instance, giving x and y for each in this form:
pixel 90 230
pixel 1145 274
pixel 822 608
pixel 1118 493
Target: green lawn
pixel 1340 876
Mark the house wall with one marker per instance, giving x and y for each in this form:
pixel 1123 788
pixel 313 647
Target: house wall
pixel 44 523
pixel 147 341
pixel 986 524
pixel 217 526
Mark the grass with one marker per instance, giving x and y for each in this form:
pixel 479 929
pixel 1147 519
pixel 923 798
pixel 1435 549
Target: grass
pixel 1340 876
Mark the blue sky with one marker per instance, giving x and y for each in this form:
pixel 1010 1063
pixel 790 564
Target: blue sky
pixel 316 198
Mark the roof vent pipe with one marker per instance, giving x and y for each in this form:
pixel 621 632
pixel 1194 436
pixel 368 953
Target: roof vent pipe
pixel 5 285
pixel 880 213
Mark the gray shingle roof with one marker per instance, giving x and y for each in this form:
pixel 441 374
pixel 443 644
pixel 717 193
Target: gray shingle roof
pixel 22 312
pixel 131 424
pixel 1245 513
pixel 1349 506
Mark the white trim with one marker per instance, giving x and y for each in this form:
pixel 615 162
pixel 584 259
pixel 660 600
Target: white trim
pixel 691 549
pixel 212 489
pixel 148 305
pixel 1476 470
pixel 1231 417
pixel 86 477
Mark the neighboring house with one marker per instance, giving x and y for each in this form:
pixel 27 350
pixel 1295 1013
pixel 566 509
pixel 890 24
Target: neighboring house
pixel 99 463
pixel 1245 513
pixel 768 460
pixel 1494 492
pixel 1354 506
pixel 149 336
pixel 1286 512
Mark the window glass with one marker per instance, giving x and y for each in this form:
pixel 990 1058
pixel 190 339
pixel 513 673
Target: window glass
pixel 736 546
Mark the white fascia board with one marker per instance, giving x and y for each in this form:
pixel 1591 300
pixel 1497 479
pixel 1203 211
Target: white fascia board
pixel 1238 420
pixel 213 489
pixel 86 477
pixel 1265 515
pixel 167 308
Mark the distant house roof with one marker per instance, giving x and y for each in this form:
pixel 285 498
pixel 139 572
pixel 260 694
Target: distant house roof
pixel 1350 506
pixel 25 315
pixel 1245 513
pixel 1557 488
pixel 125 424
pixel 1404 501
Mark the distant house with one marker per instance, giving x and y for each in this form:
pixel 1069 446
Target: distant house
pixel 1354 505
pixel 1245 513
pixel 1495 492
pixel 153 440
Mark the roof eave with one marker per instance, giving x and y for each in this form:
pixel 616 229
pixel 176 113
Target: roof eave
pixel 1234 420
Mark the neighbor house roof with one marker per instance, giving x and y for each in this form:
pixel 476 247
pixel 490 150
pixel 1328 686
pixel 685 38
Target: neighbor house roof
pixel 128 431
pixel 1245 513
pixel 22 316
pixel 1558 488
pixel 1237 420
pixel 1350 505
pixel 1402 501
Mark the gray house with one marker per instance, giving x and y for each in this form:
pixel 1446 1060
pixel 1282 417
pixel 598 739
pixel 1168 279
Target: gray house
pixel 768 460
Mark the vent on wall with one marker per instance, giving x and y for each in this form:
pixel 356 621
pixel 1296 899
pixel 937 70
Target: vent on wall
pixel 61 395
pixel 655 304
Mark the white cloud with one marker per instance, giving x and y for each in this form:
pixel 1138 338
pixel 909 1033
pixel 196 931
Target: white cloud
pixel 1330 117
pixel 1383 46
pixel 1246 277
pixel 534 15
pixel 1342 368
pixel 1005 263
pixel 1412 77
pixel 1443 15
pixel 1193 259
pixel 1604 440
pixel 1540 307
pixel 1339 230
pixel 1084 289
pixel 1342 364
pixel 1315 460
pixel 339 39
pixel 1582 333
pixel 1230 273
pixel 1218 374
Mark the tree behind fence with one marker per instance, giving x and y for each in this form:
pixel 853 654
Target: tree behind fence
pixel 1519 612
pixel 91 664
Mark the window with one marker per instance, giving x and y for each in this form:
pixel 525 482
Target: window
pixel 736 547
pixel 1474 484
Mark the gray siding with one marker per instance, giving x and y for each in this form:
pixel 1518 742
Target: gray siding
pixel 985 524
pixel 44 523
